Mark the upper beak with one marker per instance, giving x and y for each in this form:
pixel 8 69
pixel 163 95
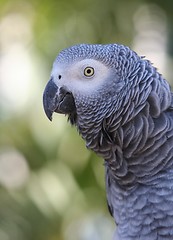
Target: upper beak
pixel 58 100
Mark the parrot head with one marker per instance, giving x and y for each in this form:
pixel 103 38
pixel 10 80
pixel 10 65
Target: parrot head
pixel 88 80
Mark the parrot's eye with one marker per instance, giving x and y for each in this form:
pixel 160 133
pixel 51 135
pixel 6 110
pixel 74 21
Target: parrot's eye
pixel 89 71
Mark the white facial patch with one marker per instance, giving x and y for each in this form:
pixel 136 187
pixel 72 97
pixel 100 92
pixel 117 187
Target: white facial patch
pixel 85 76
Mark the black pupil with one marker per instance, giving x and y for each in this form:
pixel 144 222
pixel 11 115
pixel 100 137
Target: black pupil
pixel 89 71
pixel 59 76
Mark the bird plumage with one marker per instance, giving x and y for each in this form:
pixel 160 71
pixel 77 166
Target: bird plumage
pixel 124 113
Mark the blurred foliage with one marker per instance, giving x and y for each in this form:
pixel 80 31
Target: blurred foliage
pixel 52 187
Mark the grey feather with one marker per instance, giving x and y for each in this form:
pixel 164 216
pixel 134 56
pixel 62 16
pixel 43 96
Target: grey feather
pixel 129 123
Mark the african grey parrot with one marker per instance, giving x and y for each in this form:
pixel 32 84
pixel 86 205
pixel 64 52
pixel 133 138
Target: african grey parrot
pixel 123 109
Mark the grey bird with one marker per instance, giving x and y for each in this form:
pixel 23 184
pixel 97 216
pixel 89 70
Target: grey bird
pixel 123 109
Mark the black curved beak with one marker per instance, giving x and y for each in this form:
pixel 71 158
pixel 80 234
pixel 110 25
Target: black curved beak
pixel 57 100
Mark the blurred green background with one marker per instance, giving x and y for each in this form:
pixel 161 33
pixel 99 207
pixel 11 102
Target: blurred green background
pixel 51 187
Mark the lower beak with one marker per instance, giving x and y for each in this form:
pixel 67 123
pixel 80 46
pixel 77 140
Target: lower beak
pixel 58 100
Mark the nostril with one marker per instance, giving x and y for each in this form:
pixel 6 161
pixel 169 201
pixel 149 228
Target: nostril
pixel 59 76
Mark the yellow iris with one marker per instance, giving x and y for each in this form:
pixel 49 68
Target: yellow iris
pixel 89 71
